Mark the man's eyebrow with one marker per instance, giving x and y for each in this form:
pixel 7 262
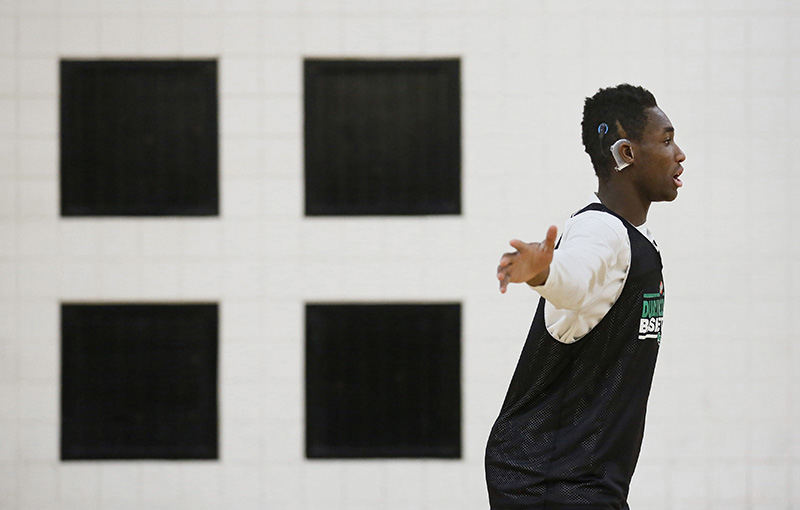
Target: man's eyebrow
pixel 669 129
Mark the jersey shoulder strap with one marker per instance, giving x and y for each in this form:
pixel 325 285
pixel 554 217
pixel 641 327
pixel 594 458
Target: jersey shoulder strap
pixel 597 206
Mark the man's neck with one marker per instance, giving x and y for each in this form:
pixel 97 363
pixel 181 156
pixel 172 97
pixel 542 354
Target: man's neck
pixel 623 200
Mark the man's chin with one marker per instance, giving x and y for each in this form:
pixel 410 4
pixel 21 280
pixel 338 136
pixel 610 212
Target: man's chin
pixel 668 197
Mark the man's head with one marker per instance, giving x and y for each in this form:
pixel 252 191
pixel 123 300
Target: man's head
pixel 631 113
pixel 623 109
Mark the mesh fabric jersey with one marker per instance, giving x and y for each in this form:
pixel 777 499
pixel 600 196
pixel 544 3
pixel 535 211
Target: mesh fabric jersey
pixel 571 426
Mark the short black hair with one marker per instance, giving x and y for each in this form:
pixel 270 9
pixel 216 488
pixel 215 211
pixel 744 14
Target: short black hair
pixel 621 106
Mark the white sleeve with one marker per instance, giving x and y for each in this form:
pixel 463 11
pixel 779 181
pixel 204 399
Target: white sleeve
pixel 587 256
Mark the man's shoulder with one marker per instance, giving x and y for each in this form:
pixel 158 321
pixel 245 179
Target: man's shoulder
pixel 597 224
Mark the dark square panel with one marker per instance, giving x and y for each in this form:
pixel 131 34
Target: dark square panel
pixel 383 380
pixel 139 138
pixel 139 381
pixel 382 137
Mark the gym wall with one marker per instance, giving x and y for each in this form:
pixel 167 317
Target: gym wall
pixel 256 263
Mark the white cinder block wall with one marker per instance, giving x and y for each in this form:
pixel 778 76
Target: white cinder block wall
pixel 726 398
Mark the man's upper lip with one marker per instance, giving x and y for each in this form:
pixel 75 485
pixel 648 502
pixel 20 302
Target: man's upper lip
pixel 680 171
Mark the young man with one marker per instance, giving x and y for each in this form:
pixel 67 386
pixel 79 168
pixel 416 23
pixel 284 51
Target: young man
pixel 570 429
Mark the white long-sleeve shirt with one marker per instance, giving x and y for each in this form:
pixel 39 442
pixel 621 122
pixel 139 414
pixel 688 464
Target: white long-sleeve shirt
pixel 587 273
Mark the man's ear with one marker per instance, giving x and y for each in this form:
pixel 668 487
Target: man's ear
pixel 627 151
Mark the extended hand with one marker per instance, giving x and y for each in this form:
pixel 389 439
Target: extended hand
pixel 530 263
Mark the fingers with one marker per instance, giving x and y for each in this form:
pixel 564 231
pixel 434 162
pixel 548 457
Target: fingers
pixel 504 268
pixel 506 259
pixel 503 273
pixel 503 286
pixel 504 278
pixel 550 241
pixel 518 245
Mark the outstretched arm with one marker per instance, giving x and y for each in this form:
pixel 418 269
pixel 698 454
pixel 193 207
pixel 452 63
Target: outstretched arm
pixel 529 263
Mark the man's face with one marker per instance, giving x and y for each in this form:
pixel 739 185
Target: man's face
pixel 657 159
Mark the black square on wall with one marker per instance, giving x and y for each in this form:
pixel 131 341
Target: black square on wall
pixel 383 380
pixel 139 381
pixel 382 137
pixel 139 138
